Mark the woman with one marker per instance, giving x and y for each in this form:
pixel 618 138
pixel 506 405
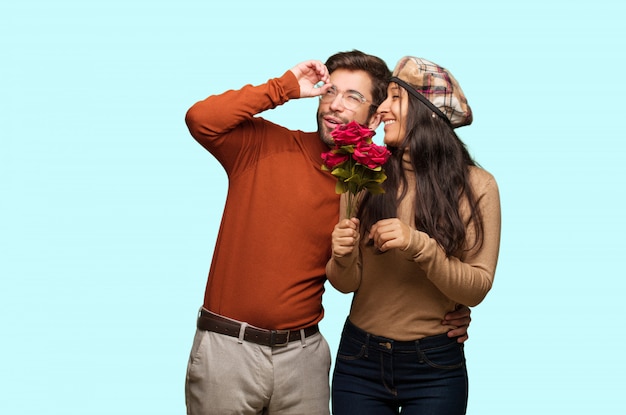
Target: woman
pixel 424 247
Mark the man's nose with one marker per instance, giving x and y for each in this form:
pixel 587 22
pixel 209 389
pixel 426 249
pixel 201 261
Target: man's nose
pixel 337 103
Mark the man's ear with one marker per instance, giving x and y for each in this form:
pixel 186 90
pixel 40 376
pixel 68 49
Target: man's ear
pixel 374 121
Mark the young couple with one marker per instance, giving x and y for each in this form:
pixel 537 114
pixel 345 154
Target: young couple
pixel 415 256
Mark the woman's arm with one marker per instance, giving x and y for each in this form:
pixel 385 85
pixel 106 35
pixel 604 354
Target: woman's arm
pixel 467 279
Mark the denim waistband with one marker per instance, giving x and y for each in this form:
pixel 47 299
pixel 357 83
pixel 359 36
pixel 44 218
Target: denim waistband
pixel 387 344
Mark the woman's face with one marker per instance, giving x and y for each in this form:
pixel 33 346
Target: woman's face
pixel 392 113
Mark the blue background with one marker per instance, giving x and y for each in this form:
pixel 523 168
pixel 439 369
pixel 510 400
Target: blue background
pixel 109 209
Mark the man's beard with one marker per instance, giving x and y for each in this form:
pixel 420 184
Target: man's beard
pixel 323 131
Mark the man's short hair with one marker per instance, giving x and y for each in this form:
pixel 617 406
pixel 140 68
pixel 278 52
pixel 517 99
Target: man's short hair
pixel 358 61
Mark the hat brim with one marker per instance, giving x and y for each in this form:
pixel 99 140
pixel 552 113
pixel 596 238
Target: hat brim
pixel 411 90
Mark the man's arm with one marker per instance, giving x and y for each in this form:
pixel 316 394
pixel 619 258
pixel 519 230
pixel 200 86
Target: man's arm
pixel 219 114
pixel 225 124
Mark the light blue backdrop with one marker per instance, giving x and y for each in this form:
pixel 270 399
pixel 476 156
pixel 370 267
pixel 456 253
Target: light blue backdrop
pixel 109 209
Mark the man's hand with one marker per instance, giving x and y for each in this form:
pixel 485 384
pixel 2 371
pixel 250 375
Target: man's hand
pixel 345 237
pixel 461 319
pixel 309 74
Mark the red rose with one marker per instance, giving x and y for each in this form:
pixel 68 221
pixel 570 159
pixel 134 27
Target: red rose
pixel 356 162
pixel 371 155
pixel 351 134
pixel 332 159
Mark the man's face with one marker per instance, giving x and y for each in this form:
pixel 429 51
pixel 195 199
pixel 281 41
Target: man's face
pixel 334 112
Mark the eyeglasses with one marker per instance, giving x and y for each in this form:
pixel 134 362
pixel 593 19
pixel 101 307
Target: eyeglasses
pixel 350 100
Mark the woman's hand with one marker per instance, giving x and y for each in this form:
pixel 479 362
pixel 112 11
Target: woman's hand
pixel 345 237
pixel 390 233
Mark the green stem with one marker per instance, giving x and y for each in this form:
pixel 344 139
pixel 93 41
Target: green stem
pixel 350 205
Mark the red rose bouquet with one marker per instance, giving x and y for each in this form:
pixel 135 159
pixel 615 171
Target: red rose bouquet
pixel 356 162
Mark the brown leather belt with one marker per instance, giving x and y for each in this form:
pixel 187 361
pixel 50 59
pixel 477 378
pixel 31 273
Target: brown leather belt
pixel 218 324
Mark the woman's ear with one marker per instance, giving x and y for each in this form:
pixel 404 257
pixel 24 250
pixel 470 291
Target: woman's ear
pixel 374 121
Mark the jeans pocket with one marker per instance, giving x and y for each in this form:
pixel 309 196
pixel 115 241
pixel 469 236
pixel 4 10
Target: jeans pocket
pixel 449 356
pixel 350 349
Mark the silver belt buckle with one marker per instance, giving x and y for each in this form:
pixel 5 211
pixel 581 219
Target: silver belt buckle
pixel 273 334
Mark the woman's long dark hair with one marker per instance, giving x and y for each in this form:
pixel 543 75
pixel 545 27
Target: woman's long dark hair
pixel 441 163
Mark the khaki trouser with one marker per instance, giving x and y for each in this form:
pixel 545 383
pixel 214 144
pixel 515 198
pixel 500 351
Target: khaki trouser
pixel 225 376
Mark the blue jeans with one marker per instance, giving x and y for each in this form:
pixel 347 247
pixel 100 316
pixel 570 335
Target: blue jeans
pixel 377 375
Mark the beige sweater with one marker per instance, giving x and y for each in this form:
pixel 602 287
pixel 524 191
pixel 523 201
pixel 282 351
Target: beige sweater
pixel 404 294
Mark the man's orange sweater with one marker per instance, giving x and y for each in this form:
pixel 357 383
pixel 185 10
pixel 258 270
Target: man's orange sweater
pixel 274 239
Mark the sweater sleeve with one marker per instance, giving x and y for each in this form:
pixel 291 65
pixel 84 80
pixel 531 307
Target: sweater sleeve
pixel 344 273
pixel 468 279
pixel 221 123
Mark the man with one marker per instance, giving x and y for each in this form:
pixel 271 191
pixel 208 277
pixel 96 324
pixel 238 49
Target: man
pixel 258 348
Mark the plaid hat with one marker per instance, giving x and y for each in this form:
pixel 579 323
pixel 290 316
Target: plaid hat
pixel 435 87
